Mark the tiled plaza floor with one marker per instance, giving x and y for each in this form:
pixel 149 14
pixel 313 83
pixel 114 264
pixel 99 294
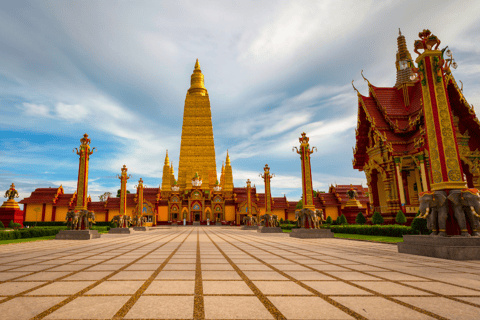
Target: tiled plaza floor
pixel 227 273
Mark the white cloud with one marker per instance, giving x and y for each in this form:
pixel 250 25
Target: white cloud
pixel 75 112
pixel 36 110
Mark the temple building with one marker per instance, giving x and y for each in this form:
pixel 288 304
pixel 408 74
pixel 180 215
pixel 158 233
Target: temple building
pixel 398 138
pixel 197 195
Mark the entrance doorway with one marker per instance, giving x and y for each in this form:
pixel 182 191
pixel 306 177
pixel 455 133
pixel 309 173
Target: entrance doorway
pixel 196 216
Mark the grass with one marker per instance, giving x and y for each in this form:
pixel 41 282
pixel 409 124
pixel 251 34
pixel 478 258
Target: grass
pixel 370 238
pixel 364 237
pixel 26 240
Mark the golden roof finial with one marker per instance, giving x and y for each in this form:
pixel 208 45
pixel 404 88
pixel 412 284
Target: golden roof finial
pixel 197 86
pixel 167 160
pixel 228 159
pixel 399 32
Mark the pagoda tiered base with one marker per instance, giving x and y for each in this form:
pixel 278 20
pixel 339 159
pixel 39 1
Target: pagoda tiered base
pixel 263 229
pixel 311 233
pixel 196 223
pixel 141 228
pixel 352 212
pixel 453 248
pixel 77 235
pixel 11 214
pixel 249 227
pixel 218 223
pixel 121 230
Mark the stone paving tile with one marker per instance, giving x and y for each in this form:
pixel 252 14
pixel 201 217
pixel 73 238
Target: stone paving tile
pixel 132 275
pixel 26 307
pixel 180 266
pixel 307 308
pixel 32 268
pixel 116 287
pixel 176 275
pixel 444 307
pixel 290 267
pixel 397 276
pixel 308 275
pixel 91 275
pixel 226 287
pixel 10 275
pixel 68 267
pixel 335 287
pixel 264 275
pixel 442 288
pixel 390 288
pixel 351 275
pixel 220 266
pixel 12 288
pixel 90 308
pixel 379 308
pixel 280 287
pixel 220 275
pixel 61 288
pixel 256 267
pixel 235 307
pixel 172 287
pixel 44 276
pixel 169 307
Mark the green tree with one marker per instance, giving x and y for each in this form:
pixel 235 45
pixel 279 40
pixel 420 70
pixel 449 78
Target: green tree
pixel 281 220
pixel 10 225
pixel 299 204
pixel 342 219
pixel 329 220
pixel 360 219
pixel 1 225
pixel 400 217
pixel 419 226
pixel 377 218
pixel 119 191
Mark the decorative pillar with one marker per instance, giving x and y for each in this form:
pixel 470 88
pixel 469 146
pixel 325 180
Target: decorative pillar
pixel 10 210
pixel 249 198
pixel 400 183
pixel 307 189
pixel 266 176
pixel 140 197
pixel 82 183
pixel 417 180
pixel 423 173
pixel 123 190
pixel 443 149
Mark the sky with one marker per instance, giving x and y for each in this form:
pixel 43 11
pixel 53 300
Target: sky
pixel 120 71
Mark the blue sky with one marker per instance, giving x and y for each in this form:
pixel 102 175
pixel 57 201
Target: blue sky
pixel 120 70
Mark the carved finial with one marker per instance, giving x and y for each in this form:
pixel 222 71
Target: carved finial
pixel 355 88
pixel 364 77
pixel 399 32
pixel 461 89
pixel 197 65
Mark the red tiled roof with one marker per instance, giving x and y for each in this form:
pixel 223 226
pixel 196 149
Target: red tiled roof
pixel 41 195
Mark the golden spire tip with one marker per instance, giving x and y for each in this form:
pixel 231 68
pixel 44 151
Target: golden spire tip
pixel 399 32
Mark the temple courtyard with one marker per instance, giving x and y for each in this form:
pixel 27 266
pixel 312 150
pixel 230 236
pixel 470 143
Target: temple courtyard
pixel 228 273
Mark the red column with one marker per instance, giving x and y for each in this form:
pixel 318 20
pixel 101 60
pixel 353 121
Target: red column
pixel 43 211
pixel 54 211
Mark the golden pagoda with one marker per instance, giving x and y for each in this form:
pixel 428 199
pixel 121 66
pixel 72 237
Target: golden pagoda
pixel 197 150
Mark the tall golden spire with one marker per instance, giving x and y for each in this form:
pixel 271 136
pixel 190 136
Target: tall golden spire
pixel 197 150
pixel 222 176
pixel 228 175
pixel 197 85
pixel 403 62
pixel 166 177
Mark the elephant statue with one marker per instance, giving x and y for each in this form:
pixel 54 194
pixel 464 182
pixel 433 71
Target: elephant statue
pixel 247 220
pixel 466 204
pixel 144 221
pixel 321 216
pixel 264 220
pixel 254 221
pixel 128 221
pixel 75 216
pixel 137 221
pixel 118 220
pixel 307 216
pixel 300 218
pixel 85 217
pixel 274 220
pixel 434 208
